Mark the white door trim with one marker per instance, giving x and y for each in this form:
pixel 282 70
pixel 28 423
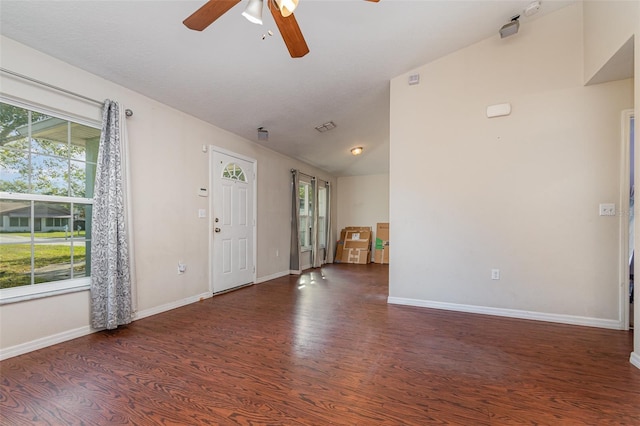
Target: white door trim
pixel 624 212
pixel 254 163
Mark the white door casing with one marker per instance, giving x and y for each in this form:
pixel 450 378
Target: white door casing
pixel 232 219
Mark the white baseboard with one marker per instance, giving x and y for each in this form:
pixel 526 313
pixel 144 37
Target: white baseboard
pixel 635 358
pixel 272 277
pixel 511 313
pixel 43 342
pixel 173 305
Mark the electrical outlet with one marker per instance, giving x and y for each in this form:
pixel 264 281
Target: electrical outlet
pixel 495 274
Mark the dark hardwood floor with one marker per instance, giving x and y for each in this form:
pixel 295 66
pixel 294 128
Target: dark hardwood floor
pixel 326 349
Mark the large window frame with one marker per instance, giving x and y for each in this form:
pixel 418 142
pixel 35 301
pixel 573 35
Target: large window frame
pixel 34 289
pixel 305 224
pixel 305 227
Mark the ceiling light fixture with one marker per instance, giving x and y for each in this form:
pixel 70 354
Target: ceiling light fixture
pixel 330 125
pixel 357 150
pixel 253 11
pixel 511 28
pixel 286 6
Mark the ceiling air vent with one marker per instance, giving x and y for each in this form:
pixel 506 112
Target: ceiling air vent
pixel 326 126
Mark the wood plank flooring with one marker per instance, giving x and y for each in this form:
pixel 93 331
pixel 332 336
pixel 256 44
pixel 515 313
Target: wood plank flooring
pixel 325 348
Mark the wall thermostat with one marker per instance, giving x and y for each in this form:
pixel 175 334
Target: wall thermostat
pixel 203 192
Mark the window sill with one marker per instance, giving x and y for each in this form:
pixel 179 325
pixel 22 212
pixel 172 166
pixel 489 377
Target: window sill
pixel 38 291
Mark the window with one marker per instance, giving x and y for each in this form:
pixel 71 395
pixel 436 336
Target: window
pixel 234 172
pixel 47 174
pixel 57 222
pixel 305 198
pixel 19 222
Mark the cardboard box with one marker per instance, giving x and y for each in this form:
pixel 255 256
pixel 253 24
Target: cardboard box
pixel 339 251
pixel 381 254
pixel 342 256
pixel 356 245
pixel 356 255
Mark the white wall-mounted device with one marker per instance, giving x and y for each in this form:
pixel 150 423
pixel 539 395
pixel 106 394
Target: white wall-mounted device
pixel 498 110
pixel 203 192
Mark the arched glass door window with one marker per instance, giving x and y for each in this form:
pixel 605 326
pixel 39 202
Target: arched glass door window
pixel 234 172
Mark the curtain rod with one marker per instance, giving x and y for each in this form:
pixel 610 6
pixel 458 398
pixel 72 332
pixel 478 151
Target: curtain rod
pixel 127 112
pixel 312 177
pixel 303 173
pixel 51 86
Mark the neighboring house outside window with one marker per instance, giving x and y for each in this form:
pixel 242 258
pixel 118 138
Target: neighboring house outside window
pixel 47 174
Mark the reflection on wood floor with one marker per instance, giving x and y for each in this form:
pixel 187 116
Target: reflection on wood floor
pixel 326 348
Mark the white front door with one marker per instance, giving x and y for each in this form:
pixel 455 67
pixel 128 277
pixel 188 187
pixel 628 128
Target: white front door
pixel 233 221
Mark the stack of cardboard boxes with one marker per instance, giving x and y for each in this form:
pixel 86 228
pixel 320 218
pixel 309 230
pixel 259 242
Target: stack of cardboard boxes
pixel 354 245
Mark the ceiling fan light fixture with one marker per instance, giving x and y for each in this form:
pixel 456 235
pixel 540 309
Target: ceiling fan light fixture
pixel 253 11
pixel 286 6
pixel 357 150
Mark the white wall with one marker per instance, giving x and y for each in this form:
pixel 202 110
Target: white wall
pixel 168 166
pixel 518 193
pixel 363 201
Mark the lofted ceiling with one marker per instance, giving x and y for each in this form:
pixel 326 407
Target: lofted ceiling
pixel 233 78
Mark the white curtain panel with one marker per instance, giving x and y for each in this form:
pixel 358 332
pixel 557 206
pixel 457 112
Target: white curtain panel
pixel 111 289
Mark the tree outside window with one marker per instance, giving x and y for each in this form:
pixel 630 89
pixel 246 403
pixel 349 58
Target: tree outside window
pixel 47 174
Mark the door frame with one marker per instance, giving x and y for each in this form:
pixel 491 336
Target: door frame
pixel 625 188
pixel 254 163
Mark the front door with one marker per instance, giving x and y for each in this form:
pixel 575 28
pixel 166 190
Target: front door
pixel 233 221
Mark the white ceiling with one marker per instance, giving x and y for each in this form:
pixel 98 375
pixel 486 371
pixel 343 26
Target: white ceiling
pixel 230 77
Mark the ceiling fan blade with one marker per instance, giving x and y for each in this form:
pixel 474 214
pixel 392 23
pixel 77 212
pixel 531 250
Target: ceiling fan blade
pixel 212 10
pixel 290 32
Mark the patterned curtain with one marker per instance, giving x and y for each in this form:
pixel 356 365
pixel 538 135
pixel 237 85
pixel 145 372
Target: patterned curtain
pixel 111 285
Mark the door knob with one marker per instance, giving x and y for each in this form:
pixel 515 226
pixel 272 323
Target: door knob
pixel 217 230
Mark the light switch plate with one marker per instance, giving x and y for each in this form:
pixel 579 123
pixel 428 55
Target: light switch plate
pixel 607 209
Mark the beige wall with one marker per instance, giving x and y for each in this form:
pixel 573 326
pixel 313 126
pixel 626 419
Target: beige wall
pixel 363 201
pixel 635 357
pixel 607 27
pixel 519 193
pixel 168 166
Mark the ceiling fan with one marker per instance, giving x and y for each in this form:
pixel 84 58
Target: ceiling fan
pixel 281 10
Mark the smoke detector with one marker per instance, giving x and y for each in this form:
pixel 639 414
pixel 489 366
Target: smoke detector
pixel 531 9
